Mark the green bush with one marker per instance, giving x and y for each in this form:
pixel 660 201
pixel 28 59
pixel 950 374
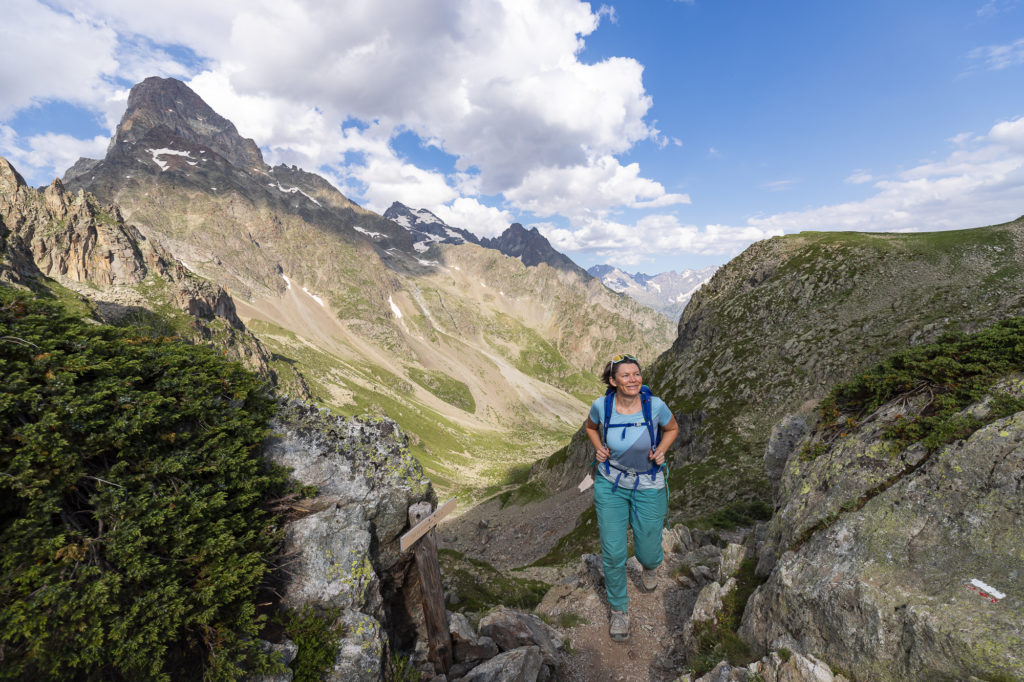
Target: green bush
pixel 946 377
pixel 131 493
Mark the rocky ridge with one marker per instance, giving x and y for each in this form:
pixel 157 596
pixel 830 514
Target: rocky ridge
pixel 53 235
pixel 532 248
pixel 791 316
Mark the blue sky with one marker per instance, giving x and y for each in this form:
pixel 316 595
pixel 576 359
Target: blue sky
pixel 652 135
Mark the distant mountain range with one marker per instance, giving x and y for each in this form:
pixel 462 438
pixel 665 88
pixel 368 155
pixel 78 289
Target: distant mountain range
pixel 667 292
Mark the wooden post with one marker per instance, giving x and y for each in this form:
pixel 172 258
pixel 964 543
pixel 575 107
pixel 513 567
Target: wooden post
pixel 434 617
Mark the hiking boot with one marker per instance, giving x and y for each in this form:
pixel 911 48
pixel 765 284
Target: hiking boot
pixel 649 579
pixel 618 629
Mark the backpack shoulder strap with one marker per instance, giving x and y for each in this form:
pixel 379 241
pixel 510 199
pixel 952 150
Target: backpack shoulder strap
pixel 645 405
pixel 609 399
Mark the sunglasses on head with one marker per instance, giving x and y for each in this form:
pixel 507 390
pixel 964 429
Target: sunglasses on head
pixel 622 357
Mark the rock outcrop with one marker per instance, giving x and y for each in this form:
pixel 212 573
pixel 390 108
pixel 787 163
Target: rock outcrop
pixel 874 549
pixel 86 247
pixel 343 552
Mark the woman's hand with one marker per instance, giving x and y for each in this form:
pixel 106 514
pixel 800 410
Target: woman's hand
pixel 602 452
pixel 657 457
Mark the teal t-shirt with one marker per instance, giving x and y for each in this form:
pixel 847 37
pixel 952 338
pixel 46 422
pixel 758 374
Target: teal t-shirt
pixel 630 445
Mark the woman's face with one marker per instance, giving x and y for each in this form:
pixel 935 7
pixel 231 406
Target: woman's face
pixel 626 378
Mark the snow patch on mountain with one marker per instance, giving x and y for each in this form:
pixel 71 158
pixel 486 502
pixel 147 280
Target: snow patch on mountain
pixel 167 151
pixel 666 292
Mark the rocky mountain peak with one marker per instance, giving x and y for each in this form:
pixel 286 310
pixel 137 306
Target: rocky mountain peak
pixel 427 228
pixel 170 109
pixel 532 248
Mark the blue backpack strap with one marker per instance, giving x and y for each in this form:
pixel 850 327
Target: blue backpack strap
pixel 645 405
pixel 609 399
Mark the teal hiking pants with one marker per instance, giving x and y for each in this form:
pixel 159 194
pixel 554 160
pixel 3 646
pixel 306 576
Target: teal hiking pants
pixel 614 516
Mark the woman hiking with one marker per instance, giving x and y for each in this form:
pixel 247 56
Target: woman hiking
pixel 630 490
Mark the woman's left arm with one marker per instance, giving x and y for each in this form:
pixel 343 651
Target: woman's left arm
pixel 669 432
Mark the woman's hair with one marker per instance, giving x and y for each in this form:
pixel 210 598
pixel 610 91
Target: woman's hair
pixel 609 369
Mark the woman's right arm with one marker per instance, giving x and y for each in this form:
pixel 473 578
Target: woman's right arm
pixel 594 434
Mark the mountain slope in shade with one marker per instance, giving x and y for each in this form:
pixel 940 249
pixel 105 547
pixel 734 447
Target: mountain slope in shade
pixel 666 292
pixel 485 361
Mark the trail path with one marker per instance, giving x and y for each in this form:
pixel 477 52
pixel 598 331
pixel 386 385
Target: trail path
pixel 516 536
pixel 656 620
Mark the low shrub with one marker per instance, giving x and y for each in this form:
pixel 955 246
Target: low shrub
pixel 131 503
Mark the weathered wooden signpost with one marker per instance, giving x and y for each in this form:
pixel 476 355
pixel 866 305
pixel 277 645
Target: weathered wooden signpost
pixel 422 535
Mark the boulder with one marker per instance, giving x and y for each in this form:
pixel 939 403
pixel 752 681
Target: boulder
pixel 878 587
pixel 732 556
pixel 512 629
pixel 516 665
pixel 468 645
pixel 344 554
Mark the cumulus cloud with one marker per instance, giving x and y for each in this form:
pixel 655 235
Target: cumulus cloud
pixel 979 182
pixel 588 190
pixel 653 235
pixel 47 54
pixel 47 155
pixel 470 214
pixel 497 84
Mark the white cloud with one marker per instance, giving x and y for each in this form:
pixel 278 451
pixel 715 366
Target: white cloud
pixel 47 155
pixel 653 235
pixel 998 57
pixel 779 185
pixel 980 182
pixel 497 83
pixel 976 184
pixel 46 54
pixel 470 214
pixel 583 191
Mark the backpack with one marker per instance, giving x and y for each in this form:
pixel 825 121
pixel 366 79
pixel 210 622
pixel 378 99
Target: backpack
pixel 645 408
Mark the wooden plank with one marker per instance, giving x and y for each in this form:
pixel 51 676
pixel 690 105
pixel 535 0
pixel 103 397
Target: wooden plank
pixel 427 524
pixel 435 620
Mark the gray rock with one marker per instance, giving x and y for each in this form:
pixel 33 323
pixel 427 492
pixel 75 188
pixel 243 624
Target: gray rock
pixel 592 570
pixel 781 443
pixel 702 575
pixel 686 542
pixel 517 665
pixel 512 629
pixel 360 656
pixel 879 591
pixel 732 557
pixel 723 672
pixel 468 646
pixel 344 552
